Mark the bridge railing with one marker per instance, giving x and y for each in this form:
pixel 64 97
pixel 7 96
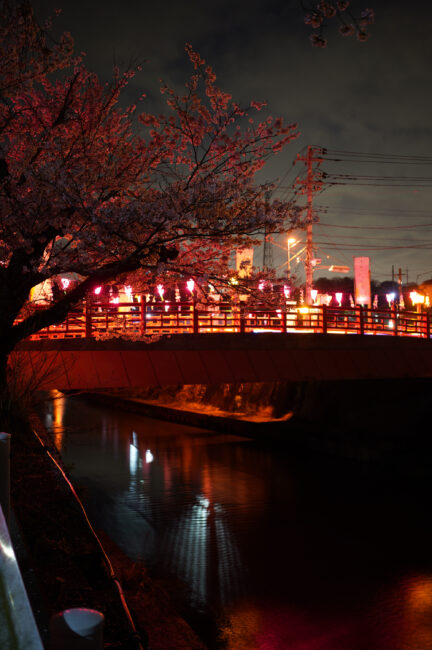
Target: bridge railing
pixel 94 320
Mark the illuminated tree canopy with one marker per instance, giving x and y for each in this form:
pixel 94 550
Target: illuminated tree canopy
pixel 91 188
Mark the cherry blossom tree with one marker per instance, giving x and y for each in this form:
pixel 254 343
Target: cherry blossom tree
pixel 318 14
pixel 90 188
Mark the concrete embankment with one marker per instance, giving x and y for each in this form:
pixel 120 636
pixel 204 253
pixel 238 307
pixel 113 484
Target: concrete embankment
pixel 366 419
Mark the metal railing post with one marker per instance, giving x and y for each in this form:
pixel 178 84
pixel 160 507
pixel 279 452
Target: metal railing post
pixel 324 319
pixel 242 320
pixel 88 318
pixel 195 318
pixel 361 319
pixel 143 305
pixel 77 628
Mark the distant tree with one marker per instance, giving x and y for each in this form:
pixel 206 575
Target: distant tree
pixel 335 284
pixel 317 15
pixel 84 191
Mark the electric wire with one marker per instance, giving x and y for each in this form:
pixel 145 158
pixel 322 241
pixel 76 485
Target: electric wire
pixel 326 179
pixel 386 228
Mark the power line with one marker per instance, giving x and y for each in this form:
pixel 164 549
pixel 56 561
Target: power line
pixel 377 247
pixel 386 228
pixel 378 157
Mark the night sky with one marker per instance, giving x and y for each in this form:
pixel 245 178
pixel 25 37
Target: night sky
pixel 373 97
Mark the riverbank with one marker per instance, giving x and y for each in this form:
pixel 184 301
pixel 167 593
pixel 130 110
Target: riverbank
pixel 67 566
pixel 370 421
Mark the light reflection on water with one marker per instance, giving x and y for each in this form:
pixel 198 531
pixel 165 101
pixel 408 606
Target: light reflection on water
pixel 284 553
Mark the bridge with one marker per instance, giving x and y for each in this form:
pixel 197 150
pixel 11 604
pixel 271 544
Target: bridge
pixel 355 370
pixel 155 344
pixel 220 358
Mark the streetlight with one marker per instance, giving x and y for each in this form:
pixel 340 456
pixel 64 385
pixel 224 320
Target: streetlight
pixel 291 241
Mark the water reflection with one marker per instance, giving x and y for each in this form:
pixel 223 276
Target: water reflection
pixel 54 417
pixel 299 555
pixel 190 543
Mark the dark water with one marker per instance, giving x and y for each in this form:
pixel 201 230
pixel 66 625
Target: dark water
pixel 274 551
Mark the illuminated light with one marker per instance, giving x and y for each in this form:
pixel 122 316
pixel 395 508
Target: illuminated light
pixel 190 285
pixel 98 290
pixel 115 301
pixel 314 294
pixel 261 286
pixel 390 298
pixel 233 281
pixel 391 325
pixel 339 297
pixel 427 301
pixel 262 330
pixel 291 241
pixel 417 298
pixel 65 282
pixel 128 291
pixel 287 291
pixel 303 310
pixel 160 289
pixel 149 456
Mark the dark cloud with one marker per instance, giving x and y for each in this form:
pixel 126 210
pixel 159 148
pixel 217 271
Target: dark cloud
pixel 368 97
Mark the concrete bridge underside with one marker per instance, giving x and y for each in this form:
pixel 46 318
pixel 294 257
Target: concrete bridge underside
pixel 73 364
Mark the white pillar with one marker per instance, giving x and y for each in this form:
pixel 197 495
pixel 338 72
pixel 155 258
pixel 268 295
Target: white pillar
pixel 76 629
pixel 5 475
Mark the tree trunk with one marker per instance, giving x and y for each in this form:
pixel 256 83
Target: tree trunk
pixel 13 413
pixel 5 397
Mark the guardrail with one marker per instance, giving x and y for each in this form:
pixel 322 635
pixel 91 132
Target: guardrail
pixel 94 320
pixel 18 630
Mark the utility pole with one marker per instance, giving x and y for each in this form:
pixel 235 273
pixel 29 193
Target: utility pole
pixel 310 185
pixel 267 251
pixel 268 246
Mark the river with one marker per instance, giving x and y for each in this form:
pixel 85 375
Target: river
pixel 271 551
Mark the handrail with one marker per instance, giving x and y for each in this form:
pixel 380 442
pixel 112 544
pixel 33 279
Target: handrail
pixel 18 630
pixel 99 320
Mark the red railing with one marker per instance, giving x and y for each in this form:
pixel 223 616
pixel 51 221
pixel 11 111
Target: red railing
pixel 140 319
